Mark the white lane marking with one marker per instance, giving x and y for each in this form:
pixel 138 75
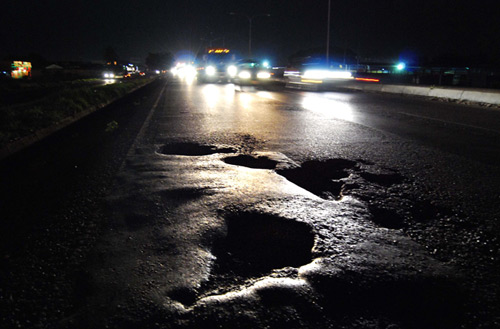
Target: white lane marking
pixel 145 125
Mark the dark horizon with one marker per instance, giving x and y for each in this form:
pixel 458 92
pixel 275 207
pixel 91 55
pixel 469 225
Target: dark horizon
pixel 387 30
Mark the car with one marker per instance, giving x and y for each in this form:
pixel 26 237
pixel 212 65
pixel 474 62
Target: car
pixel 249 72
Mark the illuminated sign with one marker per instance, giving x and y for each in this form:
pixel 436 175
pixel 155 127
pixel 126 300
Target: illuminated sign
pixel 218 51
pixel 20 69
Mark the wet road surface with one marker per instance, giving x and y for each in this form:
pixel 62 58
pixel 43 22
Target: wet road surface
pixel 294 209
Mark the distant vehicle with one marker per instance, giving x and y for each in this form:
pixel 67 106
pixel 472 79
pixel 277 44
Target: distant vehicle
pixel 184 70
pixel 314 74
pixel 250 72
pixel 120 71
pixel 216 65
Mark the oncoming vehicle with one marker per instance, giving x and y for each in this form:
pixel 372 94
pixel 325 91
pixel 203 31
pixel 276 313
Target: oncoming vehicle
pixel 249 72
pixel 214 65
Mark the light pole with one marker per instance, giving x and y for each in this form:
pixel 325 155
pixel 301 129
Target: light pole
pixel 328 36
pixel 250 18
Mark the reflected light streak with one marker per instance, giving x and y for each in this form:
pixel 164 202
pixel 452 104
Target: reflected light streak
pixel 246 100
pixel 265 94
pixel 229 92
pixel 328 107
pixel 211 94
pixel 190 80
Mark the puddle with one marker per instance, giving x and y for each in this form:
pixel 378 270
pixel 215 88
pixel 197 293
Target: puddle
pixel 321 177
pixel 192 149
pixel 260 162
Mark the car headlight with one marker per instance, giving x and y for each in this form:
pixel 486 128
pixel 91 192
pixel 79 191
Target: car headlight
pixel 190 71
pixel 263 75
pixel 339 75
pixel 210 70
pixel 108 75
pixel 315 74
pixel 232 70
pixel 244 75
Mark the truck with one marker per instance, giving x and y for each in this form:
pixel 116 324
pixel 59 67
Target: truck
pixel 216 65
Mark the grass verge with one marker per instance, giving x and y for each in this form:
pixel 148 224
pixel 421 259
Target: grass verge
pixel 21 120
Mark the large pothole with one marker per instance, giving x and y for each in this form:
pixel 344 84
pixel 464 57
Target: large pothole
pixel 255 245
pixel 322 178
pixel 258 243
pixel 259 162
pixel 192 149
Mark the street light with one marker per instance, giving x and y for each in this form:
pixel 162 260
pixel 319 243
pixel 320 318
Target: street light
pixel 328 36
pixel 250 18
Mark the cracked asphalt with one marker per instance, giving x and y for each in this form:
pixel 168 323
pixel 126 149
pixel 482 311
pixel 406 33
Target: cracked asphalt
pixel 288 209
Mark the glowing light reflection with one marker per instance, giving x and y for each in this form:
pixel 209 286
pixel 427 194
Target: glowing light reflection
pixel 265 94
pixel 246 100
pixel 211 94
pixel 328 106
pixel 229 92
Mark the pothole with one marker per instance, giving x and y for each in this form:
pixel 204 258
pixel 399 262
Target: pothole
pixel 255 246
pixel 322 178
pixel 258 243
pixel 259 162
pixel 193 149
pixel 184 295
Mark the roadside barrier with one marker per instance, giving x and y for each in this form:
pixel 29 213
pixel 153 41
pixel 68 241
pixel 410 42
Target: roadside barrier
pixel 482 96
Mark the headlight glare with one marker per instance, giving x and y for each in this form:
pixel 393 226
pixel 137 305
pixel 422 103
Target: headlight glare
pixel 315 74
pixel 232 70
pixel 244 75
pixel 263 75
pixel 210 70
pixel 339 75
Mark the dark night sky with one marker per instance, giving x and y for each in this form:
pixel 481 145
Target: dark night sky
pixel 82 29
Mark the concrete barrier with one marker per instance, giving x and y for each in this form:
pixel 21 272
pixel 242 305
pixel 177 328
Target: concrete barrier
pixel 393 89
pixel 416 91
pixel 488 97
pixel 446 93
pixel 374 87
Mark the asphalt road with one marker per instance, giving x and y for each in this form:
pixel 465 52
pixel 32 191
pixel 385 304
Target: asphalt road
pixel 209 206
